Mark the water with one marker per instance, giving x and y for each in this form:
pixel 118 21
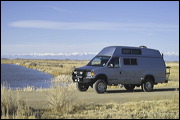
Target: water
pixel 20 77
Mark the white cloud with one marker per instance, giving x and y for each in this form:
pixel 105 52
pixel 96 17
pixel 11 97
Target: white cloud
pixel 58 9
pixel 91 25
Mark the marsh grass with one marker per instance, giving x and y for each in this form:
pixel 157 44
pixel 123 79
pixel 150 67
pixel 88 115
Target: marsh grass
pixel 174 76
pixel 61 100
pixel 53 67
pixel 159 109
pixel 63 105
pixel 152 109
pixel 62 79
pixel 13 107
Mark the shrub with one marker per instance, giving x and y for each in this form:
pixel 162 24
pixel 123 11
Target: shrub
pixel 61 99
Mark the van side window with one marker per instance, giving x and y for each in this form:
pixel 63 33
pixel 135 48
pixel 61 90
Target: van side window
pixel 127 61
pixel 131 51
pixel 130 61
pixel 133 61
pixel 114 63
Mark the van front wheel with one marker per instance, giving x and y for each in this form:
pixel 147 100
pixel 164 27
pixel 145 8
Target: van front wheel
pixel 147 85
pixel 100 86
pixel 82 87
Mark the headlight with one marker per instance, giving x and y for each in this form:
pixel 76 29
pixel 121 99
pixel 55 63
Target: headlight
pixel 75 72
pixel 90 74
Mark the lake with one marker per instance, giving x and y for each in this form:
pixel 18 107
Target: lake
pixel 20 77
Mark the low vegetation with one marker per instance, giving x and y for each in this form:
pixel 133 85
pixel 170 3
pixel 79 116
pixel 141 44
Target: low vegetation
pixel 14 107
pixel 63 105
pixel 161 109
pixel 53 67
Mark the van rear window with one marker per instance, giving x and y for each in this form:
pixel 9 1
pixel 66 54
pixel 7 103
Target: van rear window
pixel 136 51
pixel 131 51
pixel 126 51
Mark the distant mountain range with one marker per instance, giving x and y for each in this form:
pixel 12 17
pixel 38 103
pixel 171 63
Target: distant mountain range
pixel 71 56
pixel 169 56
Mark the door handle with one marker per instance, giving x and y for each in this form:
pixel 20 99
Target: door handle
pixel 120 72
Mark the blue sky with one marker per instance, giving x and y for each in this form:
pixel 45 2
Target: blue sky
pixel 87 26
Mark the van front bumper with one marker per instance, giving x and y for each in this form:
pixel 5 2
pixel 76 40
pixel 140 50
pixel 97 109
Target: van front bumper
pixel 81 79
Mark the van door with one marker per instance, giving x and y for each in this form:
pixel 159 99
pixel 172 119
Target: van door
pixel 114 71
pixel 131 71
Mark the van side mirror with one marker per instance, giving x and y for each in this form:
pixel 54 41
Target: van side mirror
pixel 110 65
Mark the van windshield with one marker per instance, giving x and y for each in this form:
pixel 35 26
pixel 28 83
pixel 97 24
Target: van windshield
pixel 99 61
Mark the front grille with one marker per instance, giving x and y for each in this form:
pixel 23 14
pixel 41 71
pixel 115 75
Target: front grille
pixel 80 73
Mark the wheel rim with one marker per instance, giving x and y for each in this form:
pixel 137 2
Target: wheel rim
pixel 101 87
pixel 148 86
pixel 82 87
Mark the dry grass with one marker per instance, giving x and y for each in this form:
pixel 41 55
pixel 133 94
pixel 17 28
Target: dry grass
pixel 160 109
pixel 63 105
pixel 154 109
pixel 62 79
pixel 13 107
pixel 61 101
pixel 174 76
pixel 61 98
pixel 131 110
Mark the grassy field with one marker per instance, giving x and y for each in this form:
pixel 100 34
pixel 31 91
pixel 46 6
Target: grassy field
pixel 53 67
pixel 62 102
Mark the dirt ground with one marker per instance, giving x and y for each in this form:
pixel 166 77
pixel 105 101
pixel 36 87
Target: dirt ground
pixel 38 99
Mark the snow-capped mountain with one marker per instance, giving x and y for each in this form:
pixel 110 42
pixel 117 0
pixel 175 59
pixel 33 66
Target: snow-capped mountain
pixel 72 56
pixel 171 56
pixel 168 56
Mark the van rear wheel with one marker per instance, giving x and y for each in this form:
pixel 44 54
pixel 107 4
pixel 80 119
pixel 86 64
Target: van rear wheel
pixel 147 85
pixel 129 87
pixel 100 86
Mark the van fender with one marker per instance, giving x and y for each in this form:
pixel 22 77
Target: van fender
pixel 148 76
pixel 102 76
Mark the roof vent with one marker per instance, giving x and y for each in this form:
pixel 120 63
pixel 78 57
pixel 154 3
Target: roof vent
pixel 142 46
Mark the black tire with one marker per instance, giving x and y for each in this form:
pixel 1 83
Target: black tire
pixel 100 86
pixel 129 87
pixel 82 87
pixel 147 85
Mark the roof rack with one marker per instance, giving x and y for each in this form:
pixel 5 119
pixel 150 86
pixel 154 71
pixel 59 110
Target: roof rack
pixel 142 46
